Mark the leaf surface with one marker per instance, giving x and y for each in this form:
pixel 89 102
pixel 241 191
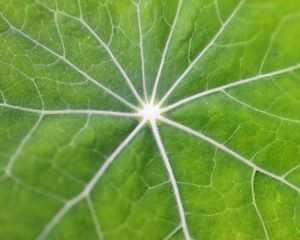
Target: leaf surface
pixel 149 119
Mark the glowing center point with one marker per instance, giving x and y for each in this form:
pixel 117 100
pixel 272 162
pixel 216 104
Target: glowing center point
pixel 150 112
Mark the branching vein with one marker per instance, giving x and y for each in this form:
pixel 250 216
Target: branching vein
pixel 202 53
pixel 115 61
pixel 261 111
pixel 102 43
pixel 231 85
pixel 255 206
pixel 232 153
pixel 13 158
pixel 89 187
pixel 64 59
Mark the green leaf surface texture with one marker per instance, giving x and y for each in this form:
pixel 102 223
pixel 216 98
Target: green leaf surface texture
pixel 149 119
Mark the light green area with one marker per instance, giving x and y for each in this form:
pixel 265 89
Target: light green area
pixel 73 166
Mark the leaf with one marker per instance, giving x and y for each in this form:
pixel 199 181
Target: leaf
pixel 149 119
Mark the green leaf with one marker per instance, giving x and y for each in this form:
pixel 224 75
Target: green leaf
pixel 149 119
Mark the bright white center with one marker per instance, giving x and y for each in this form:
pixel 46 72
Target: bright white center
pixel 150 112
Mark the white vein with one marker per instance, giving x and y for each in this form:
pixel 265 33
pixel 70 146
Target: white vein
pixel 76 136
pixel 2 96
pixel 36 189
pixel 64 59
pixel 295 215
pixel 114 59
pixel 273 37
pixel 172 180
pixel 230 152
pixel 94 217
pixel 261 111
pixel 231 85
pixel 89 187
pixel 111 24
pixel 102 43
pixel 240 43
pixel 255 206
pixel 93 112
pixel 35 85
pixel 67 174
pixel 173 232
pixel 142 51
pixel 58 30
pixel 71 142
pixel 33 80
pixel 80 8
pixel 69 111
pixel 162 62
pixel 13 158
pixel 202 53
pixel 218 12
pixel 291 171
